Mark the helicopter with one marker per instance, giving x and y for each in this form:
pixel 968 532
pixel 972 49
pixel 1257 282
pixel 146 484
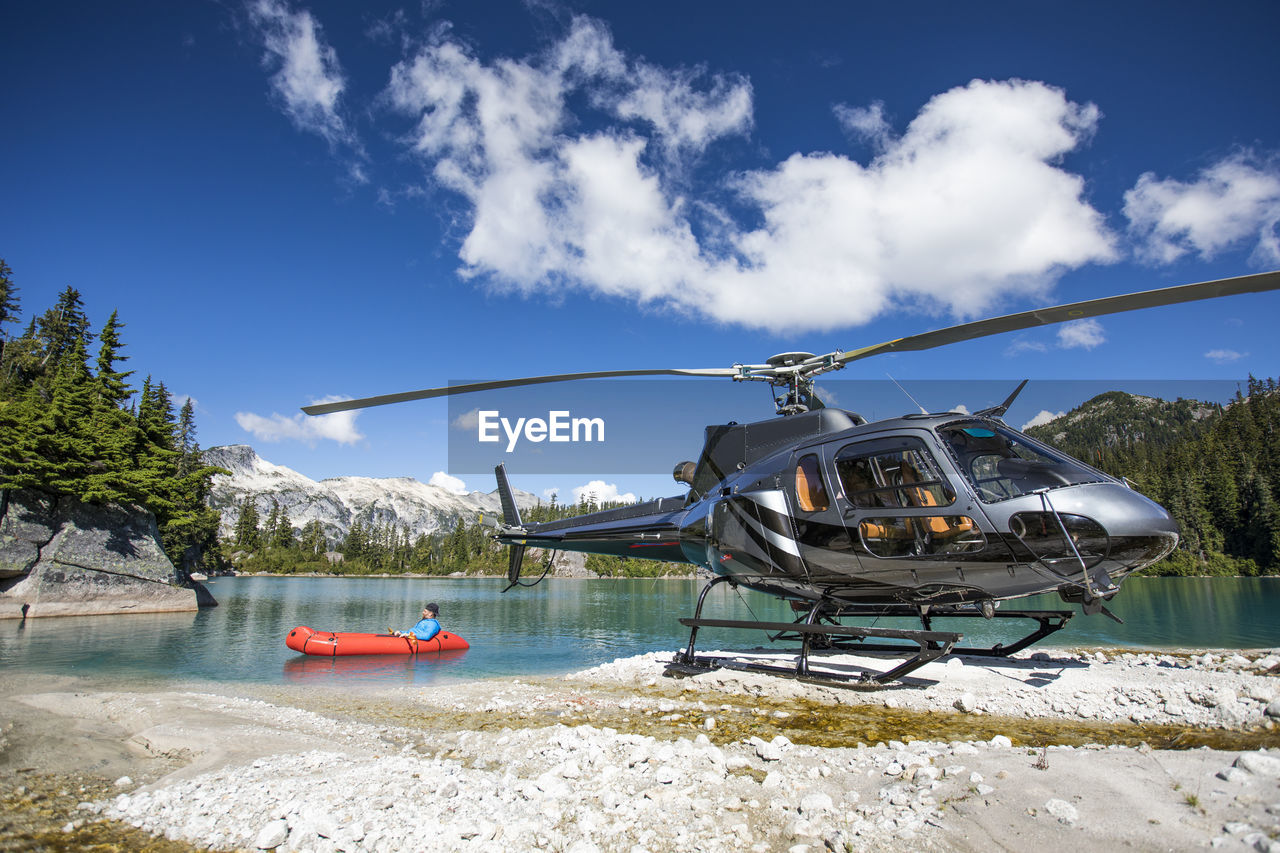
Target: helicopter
pixel 926 515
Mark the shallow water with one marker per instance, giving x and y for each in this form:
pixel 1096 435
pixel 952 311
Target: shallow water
pixel 558 627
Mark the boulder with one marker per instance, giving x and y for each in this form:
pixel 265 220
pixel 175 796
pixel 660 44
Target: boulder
pixel 88 560
pixel 27 523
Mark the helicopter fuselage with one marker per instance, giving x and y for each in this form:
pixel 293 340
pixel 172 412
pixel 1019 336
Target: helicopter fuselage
pixel 918 510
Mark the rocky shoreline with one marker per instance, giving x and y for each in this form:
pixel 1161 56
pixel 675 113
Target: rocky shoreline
pixel 1051 749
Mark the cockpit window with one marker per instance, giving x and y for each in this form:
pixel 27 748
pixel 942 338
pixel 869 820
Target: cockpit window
pixel 1003 464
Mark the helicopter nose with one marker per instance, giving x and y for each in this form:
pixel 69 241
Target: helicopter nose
pixel 1132 530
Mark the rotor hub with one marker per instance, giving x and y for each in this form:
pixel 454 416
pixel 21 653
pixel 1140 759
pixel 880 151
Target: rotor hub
pixel 788 359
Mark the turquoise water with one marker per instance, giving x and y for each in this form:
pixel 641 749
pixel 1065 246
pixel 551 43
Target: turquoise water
pixel 557 627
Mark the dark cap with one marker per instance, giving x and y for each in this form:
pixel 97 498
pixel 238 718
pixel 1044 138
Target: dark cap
pixel 433 607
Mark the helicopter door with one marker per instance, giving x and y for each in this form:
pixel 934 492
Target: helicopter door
pixel 826 547
pixel 900 510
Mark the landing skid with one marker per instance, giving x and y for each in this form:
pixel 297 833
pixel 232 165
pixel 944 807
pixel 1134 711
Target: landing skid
pixel 818 628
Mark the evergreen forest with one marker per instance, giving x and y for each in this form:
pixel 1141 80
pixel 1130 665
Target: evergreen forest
pixel 1215 468
pixel 72 424
pixel 271 545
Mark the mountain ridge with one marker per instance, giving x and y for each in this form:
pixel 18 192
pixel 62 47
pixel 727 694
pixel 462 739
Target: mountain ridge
pixel 339 502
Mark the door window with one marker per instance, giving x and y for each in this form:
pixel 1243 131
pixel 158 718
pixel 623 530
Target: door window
pixel 811 493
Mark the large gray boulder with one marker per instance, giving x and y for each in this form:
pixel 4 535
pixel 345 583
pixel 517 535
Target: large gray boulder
pixel 27 522
pixel 61 557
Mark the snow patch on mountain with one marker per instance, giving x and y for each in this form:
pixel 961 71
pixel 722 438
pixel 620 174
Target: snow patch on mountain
pixel 339 502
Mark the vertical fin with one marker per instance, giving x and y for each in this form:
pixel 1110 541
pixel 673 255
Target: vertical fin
pixel 510 513
pixel 515 559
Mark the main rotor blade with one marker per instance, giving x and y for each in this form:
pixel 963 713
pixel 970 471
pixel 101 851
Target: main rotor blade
pixel 1073 311
pixel 366 402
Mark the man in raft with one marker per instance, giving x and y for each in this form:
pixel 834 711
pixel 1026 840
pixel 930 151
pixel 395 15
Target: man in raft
pixel 427 626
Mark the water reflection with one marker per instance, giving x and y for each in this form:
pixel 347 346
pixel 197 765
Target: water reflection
pixel 375 669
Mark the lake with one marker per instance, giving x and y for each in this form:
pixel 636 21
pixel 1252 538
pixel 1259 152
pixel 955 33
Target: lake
pixel 557 627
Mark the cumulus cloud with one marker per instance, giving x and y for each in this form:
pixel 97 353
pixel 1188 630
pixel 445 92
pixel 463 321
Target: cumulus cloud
pixel 339 427
pixel 1224 356
pixel 467 421
pixel 448 482
pixel 1041 419
pixel 1081 334
pixel 1232 202
pixel 308 80
pixel 601 492
pixel 968 204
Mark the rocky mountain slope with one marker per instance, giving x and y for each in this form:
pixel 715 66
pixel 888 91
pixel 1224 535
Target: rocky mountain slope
pixel 338 502
pixel 1120 420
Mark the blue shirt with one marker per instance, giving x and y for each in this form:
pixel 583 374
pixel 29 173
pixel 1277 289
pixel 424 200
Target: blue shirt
pixel 425 629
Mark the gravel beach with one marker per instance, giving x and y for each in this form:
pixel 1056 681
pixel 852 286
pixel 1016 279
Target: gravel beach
pixel 1048 750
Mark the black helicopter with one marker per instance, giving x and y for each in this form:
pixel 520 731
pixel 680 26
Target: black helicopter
pixel 925 515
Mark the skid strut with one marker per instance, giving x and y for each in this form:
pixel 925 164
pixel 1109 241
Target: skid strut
pixel 819 624
pixel 931 646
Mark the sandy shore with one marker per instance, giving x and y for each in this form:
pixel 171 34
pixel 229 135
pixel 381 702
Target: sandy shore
pixel 1049 751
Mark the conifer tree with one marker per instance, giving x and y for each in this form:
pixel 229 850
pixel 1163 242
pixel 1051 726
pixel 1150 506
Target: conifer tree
pixel 113 389
pixel 9 303
pixel 313 539
pixel 246 530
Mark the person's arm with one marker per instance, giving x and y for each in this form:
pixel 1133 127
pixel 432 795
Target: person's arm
pixel 431 627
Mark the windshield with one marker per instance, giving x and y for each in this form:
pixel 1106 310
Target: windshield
pixel 1003 464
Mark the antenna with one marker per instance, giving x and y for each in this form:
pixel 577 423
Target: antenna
pixel 922 409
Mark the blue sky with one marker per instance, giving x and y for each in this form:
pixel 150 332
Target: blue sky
pixel 288 202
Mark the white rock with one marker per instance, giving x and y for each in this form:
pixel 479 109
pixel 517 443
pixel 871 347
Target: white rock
pixel 1235 774
pixel 1273 709
pixel 769 751
pixel 1063 811
pixel 1259 764
pixel 124 782
pixel 272 835
pixel 1001 740
pixel 816 803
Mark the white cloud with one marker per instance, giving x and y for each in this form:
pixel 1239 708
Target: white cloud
pixel 961 408
pixel 868 123
pixel 467 421
pixel 968 204
pixel 308 81
pixel 1234 201
pixel 1224 356
pixel 1081 334
pixel 339 427
pixel 1021 345
pixel 601 492
pixel 448 482
pixel 1043 418
pixel 551 494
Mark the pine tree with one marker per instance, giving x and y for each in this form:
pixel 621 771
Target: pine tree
pixel 246 530
pixel 313 538
pixel 59 327
pixel 9 303
pixel 113 389
pixel 282 532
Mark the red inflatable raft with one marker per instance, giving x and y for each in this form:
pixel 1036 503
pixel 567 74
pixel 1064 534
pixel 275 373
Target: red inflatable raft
pixel 328 644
